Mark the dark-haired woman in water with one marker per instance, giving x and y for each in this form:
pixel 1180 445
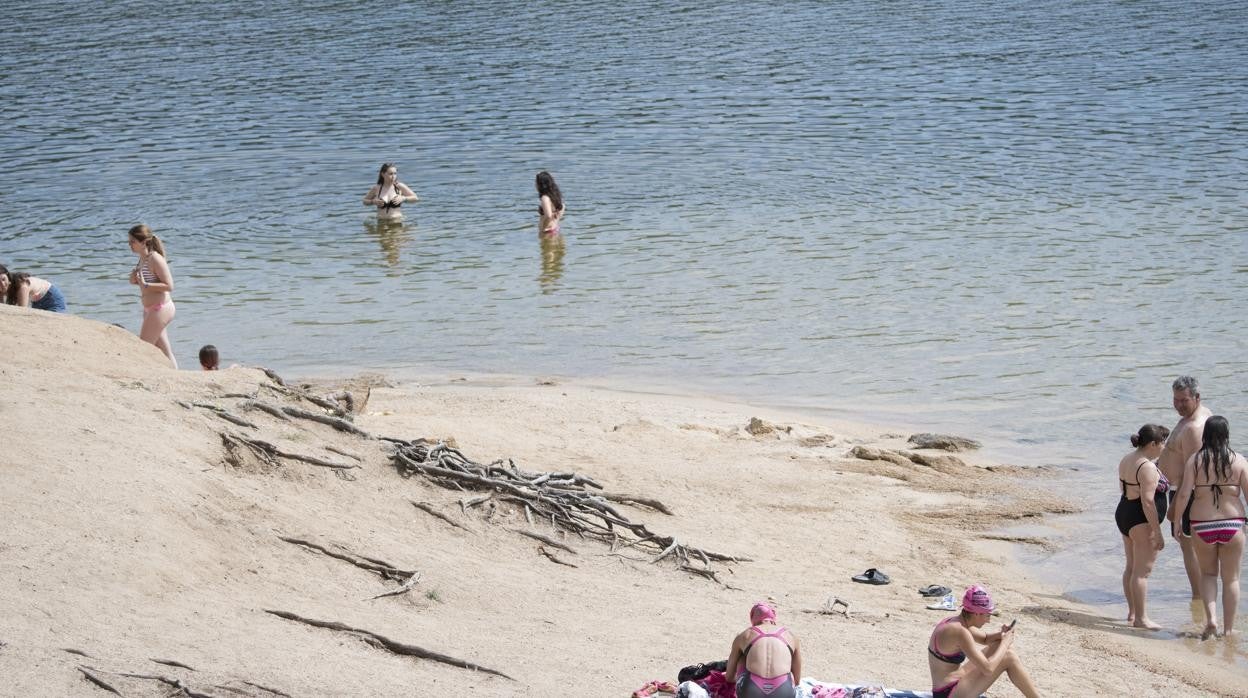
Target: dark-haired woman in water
pixel 388 194
pixel 550 208
pixel 1140 512
pixel 1214 480
pixel 20 288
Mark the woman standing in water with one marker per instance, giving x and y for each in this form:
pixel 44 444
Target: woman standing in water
pixel 1214 479
pixel 20 288
pixel 389 193
pixel 550 207
pixel 1139 517
pixel 151 274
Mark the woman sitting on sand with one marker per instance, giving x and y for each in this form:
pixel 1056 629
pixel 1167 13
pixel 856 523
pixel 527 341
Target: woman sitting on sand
pixel 1214 480
pixel 153 277
pixel 389 193
pixel 960 669
pixel 767 657
pixel 17 288
pixel 1139 517
pixel 550 207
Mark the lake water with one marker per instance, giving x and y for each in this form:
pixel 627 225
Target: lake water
pixel 1018 221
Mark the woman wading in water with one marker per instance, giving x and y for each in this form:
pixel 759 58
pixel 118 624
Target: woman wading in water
pixel 155 282
pixel 389 193
pixel 1214 480
pixel 1139 514
pixel 550 207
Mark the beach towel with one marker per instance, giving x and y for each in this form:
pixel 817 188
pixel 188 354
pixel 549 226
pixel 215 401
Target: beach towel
pixel 814 688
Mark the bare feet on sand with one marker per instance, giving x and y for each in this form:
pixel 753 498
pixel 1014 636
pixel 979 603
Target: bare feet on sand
pixel 1146 624
pixel 1210 631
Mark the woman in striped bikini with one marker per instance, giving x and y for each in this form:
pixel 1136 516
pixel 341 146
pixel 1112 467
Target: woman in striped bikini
pixel 153 277
pixel 1214 480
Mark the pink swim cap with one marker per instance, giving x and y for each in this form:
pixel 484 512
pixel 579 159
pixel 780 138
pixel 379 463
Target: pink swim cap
pixel 977 600
pixel 760 612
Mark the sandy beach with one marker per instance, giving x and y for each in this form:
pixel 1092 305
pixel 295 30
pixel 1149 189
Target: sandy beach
pixel 133 535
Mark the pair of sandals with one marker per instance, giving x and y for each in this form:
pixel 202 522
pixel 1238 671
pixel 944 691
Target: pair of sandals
pixel 946 603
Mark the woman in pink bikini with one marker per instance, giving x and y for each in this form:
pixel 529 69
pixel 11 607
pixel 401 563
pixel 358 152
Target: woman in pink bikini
pixel 765 659
pixel 155 282
pixel 1214 479
pixel 960 669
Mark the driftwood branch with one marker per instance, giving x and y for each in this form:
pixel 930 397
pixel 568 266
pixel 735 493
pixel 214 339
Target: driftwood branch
pixel 171 662
pixel 634 499
pixel 266 407
pixel 335 422
pixel 386 643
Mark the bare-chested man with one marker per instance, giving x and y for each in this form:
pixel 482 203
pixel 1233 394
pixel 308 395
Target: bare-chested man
pixel 1184 440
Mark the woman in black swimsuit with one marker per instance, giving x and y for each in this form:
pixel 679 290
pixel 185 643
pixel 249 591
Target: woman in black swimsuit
pixel 389 193
pixel 1140 511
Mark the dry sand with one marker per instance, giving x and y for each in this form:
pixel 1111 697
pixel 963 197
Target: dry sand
pixel 128 538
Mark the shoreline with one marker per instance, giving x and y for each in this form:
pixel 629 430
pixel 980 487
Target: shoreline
pixel 178 553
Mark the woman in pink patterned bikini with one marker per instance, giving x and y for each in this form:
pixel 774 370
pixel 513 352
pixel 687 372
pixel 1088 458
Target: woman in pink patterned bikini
pixel 1214 480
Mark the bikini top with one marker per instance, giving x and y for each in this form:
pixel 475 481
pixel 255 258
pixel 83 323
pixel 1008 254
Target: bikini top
pixel 1162 483
pixel 393 203
pixel 957 658
pixel 146 274
pixel 1217 489
pixel 778 634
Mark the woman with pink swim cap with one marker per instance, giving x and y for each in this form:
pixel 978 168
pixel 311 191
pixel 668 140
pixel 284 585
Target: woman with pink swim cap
pixel 765 659
pixel 960 669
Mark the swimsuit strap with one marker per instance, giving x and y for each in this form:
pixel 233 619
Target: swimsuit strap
pixel 956 658
pixel 760 635
pixel 1137 478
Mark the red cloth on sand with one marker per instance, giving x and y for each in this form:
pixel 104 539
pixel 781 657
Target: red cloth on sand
pixel 718 685
pixel 654 687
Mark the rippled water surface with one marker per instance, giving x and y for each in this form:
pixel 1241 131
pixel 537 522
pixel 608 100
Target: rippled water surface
pixel 1019 220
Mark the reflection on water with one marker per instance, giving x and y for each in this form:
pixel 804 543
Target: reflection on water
pixel 392 233
pixel 552 262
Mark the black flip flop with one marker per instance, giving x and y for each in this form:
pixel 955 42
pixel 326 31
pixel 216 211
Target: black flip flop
pixel 934 590
pixel 872 576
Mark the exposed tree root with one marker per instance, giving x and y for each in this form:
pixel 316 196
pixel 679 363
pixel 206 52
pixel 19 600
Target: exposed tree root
pixel 269 453
pixel 98 681
pixel 388 644
pixel 407 586
pixel 545 539
pixel 378 567
pixel 80 653
pixel 553 558
pixel 274 691
pixel 567 500
pixel 171 662
pixel 428 509
pixel 335 422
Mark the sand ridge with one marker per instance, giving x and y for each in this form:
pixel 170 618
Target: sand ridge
pixel 130 538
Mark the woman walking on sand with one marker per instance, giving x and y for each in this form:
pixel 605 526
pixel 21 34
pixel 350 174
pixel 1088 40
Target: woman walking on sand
pixel 765 659
pixel 1140 511
pixel 550 207
pixel 960 669
pixel 20 288
pixel 388 194
pixel 151 274
pixel 1214 480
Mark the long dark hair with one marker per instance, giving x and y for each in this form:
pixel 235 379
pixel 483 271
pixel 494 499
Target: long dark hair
pixel 16 279
pixel 1215 448
pixel 381 174
pixel 546 187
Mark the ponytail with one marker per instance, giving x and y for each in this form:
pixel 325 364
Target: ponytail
pixel 144 234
